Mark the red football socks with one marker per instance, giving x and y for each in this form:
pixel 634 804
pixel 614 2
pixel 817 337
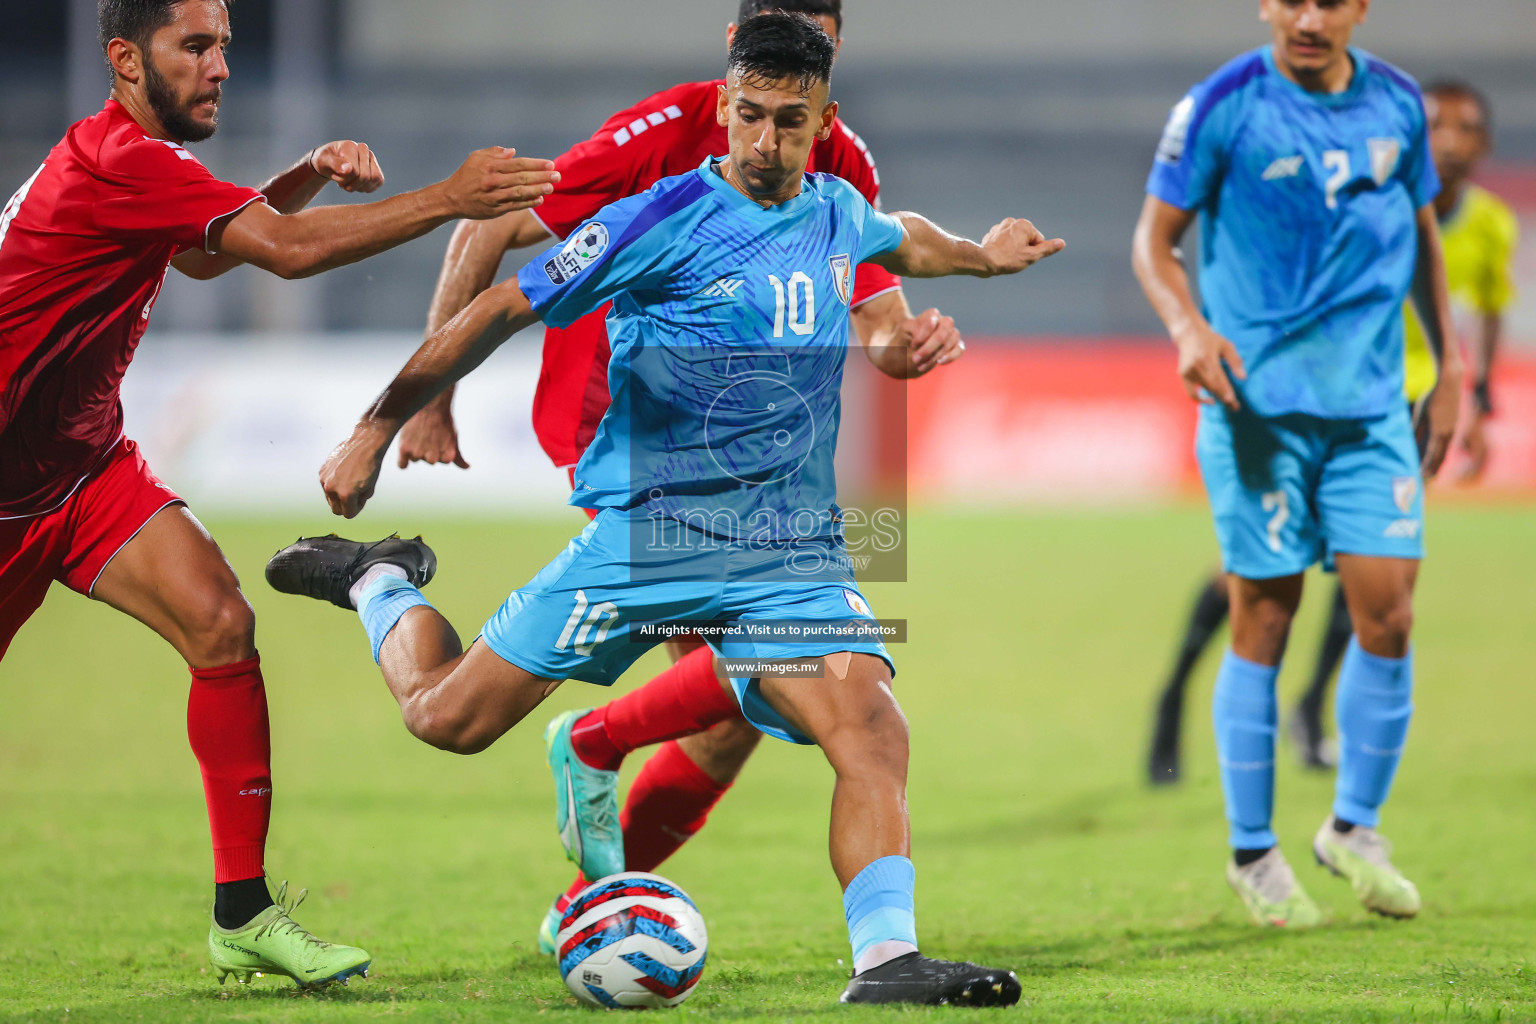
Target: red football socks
pixel 683 700
pixel 668 804
pixel 227 726
pixel 669 801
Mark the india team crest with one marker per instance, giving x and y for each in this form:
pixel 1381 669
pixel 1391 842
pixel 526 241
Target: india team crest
pixel 842 275
pixel 1404 490
pixel 858 604
pixel 1384 155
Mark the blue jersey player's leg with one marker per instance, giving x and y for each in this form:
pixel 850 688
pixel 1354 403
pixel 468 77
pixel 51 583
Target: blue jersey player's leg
pixel 1260 476
pixel 1371 496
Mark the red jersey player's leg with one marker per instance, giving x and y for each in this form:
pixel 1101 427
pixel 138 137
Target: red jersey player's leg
pixel 169 574
pixel 31 549
pixel 135 546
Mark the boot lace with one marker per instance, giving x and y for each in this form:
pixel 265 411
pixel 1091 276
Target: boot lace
pixel 283 924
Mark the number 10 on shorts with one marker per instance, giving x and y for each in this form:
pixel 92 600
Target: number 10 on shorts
pixel 599 617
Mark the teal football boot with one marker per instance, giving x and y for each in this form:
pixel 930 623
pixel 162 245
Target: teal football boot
pixel 586 804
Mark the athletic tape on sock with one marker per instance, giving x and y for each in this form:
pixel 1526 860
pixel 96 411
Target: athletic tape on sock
pixel 879 906
pixel 381 605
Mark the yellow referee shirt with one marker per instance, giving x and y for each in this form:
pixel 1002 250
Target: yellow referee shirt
pixel 1479 241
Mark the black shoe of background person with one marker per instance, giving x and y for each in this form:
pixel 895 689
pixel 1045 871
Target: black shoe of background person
pixel 1305 728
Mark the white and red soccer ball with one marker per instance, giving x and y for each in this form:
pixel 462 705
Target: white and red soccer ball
pixel 632 941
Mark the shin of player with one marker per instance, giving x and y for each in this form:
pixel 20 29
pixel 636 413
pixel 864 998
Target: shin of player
pixel 1305 442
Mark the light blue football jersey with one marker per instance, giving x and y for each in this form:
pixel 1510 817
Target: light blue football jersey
pixel 1308 237
pixel 728 332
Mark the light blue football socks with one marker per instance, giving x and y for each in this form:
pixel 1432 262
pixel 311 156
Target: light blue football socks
pixel 1247 715
pixel 879 906
pixel 382 601
pixel 1374 704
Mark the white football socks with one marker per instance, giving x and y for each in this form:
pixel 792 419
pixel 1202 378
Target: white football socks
pixel 375 573
pixel 882 953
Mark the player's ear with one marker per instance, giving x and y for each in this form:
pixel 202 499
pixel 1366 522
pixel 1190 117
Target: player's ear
pixel 722 107
pixel 828 116
pixel 125 59
pixel 730 35
pixel 1365 8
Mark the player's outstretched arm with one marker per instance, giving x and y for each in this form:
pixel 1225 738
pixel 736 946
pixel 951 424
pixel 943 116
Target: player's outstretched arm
pixel 469 268
pixel 1431 300
pixel 351 165
pixel 490 183
pixel 1205 357
pixel 352 470
pixel 930 251
pixel 901 345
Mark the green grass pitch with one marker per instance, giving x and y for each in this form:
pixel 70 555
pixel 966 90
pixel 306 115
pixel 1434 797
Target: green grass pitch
pixel 1036 640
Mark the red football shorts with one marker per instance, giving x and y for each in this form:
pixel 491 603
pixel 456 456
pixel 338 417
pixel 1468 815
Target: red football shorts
pixel 74 542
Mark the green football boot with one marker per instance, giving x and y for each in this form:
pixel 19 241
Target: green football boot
pixel 1268 888
pixel 586 804
pixel 1361 855
pixel 549 927
pixel 273 943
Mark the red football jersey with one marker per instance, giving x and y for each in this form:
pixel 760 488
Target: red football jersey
pixel 670 133
pixel 84 247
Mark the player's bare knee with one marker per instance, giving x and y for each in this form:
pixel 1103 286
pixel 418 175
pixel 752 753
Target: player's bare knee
pixel 220 630
pixel 1385 630
pixel 873 739
pixel 1260 631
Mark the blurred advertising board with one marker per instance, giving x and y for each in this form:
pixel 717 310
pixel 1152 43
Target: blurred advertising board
pixel 1107 420
pixel 242 425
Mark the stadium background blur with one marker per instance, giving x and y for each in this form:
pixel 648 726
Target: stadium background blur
pixel 1049 110
pixel 1057 535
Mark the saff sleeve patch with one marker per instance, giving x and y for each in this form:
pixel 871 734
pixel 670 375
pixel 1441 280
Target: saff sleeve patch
pixel 584 248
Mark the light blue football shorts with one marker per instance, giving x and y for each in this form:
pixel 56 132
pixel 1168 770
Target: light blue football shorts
pixel 584 616
pixel 1289 491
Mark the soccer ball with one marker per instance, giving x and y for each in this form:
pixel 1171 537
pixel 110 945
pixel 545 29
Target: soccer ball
pixel 632 941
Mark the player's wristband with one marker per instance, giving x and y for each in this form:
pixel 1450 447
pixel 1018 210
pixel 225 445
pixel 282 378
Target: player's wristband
pixel 310 160
pixel 1482 397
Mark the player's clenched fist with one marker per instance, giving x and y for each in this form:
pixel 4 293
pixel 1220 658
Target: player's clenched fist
pixel 1014 245
pixel 932 340
pixel 352 471
pixel 431 437
pixel 496 181
pixel 1205 358
pixel 349 164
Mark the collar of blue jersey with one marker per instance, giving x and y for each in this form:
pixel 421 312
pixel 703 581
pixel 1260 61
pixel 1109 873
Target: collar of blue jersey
pixel 1327 99
pixel 788 208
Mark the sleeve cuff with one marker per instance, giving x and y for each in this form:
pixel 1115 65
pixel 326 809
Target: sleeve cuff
pixel 875 295
pixel 257 198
